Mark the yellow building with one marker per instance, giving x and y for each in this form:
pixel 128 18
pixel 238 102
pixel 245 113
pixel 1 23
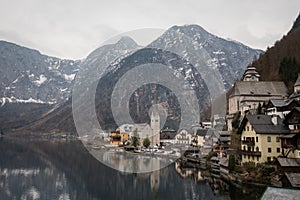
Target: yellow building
pixel 118 138
pixel 260 138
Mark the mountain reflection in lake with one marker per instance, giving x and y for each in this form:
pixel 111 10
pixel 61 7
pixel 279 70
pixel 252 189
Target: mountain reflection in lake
pixel 43 169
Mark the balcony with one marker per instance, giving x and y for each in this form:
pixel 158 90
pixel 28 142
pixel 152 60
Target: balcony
pixel 249 143
pixel 251 153
pixel 294 121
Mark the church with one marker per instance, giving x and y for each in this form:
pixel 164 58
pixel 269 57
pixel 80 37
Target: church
pixel 250 92
pixel 144 130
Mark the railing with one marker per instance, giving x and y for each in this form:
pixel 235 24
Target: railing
pixel 251 153
pixel 294 121
pixel 249 143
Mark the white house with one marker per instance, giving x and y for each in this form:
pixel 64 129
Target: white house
pixel 184 136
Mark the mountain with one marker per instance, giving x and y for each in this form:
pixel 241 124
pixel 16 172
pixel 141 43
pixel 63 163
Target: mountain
pixel 283 57
pixel 220 62
pixel 208 64
pixel 157 82
pixel 28 76
pixel 60 119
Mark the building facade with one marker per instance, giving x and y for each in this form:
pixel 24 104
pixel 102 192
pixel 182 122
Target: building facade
pixel 250 92
pixel 261 138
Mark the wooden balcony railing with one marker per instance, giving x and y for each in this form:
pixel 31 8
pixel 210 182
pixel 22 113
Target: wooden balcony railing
pixel 251 153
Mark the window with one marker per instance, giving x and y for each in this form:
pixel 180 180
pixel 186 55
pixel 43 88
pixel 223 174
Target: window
pixel 245 156
pixel 269 150
pixel 252 128
pixel 277 139
pixel 269 138
pixel 248 157
pixel 257 149
pixel 278 150
pixel 269 159
pixel 247 128
pixel 256 139
pixel 257 158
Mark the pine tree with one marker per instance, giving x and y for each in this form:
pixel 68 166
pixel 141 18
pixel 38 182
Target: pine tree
pixel 146 142
pixel 135 139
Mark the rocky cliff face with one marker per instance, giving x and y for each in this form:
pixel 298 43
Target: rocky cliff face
pixel 29 77
pixel 208 64
pixel 220 62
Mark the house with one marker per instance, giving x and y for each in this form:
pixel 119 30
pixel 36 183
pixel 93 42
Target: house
pixel 288 165
pixel 211 140
pixel 260 137
pixel 198 138
pixel 280 107
pixel 224 142
pixel 184 136
pixel 206 125
pixel 291 143
pixel 118 138
pixel 289 168
pixel 296 93
pixel 167 136
pixel 250 92
pixel 292 120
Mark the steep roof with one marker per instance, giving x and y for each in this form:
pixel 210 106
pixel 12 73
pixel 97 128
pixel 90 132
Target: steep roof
pixel 269 88
pixel 289 162
pixel 297 81
pixel 294 179
pixel 281 102
pixel 287 117
pixel 280 193
pixel 167 135
pixel 201 132
pixel 278 102
pixel 263 124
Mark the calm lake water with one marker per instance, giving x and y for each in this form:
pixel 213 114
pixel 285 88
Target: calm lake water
pixel 43 169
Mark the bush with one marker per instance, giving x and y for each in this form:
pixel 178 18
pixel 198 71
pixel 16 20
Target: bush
pixel 211 154
pixel 231 162
pixel 249 166
pixel 146 142
pixel 267 170
pixel 238 168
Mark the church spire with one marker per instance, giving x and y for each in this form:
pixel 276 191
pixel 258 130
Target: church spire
pixel 251 74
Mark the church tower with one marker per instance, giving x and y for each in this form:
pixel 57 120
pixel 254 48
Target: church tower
pixel 155 122
pixel 155 126
pixel 251 74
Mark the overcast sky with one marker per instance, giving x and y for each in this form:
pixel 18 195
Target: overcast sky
pixel 73 28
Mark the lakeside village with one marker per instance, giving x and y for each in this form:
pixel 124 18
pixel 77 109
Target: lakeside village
pixel 260 144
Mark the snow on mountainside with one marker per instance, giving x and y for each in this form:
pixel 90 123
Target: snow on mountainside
pixel 220 62
pixel 28 76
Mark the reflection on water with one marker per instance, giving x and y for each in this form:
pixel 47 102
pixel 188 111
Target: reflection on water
pixel 65 170
pixel 133 162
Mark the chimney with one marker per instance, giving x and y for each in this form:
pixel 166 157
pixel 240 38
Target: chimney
pixel 275 119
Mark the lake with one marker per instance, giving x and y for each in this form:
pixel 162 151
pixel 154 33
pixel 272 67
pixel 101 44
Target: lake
pixel 55 169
